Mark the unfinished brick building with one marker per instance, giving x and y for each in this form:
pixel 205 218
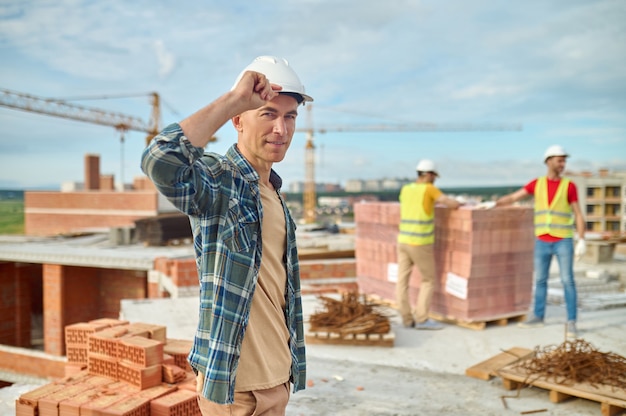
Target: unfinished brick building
pixel 80 258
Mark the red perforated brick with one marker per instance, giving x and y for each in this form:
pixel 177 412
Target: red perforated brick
pixel 179 349
pixel 142 351
pixel 106 398
pixel 189 383
pixel 138 376
pixel 106 342
pixel 77 354
pixel 30 399
pixel 134 405
pixel 168 359
pixel 71 406
pixel 72 369
pixel 157 391
pixel 173 374
pixel 102 365
pixel 109 322
pixel 49 405
pixel 156 332
pixel 78 334
pixel 178 403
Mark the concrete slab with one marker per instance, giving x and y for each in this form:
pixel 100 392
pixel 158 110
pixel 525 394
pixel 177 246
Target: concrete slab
pixel 423 374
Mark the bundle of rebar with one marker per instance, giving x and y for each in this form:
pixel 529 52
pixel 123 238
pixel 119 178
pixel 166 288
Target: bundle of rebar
pixel 577 361
pixel 353 314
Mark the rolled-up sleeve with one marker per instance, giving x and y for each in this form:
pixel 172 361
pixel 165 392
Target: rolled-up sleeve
pixel 170 162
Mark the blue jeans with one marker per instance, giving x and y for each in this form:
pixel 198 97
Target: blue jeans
pixel 564 252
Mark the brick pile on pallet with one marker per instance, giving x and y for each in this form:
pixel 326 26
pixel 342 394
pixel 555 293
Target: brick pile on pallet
pixel 118 368
pixel 483 258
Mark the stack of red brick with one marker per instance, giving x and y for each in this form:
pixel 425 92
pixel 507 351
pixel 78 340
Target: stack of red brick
pixel 118 368
pixel 484 259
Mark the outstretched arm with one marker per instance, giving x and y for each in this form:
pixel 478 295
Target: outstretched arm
pixel 512 197
pixel 448 202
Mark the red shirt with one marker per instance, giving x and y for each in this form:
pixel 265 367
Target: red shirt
pixel 572 196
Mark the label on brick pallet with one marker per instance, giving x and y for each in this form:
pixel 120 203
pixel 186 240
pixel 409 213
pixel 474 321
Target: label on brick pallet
pixel 456 285
pixel 392 272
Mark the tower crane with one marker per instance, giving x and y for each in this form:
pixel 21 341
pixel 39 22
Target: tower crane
pixel 64 109
pixel 309 195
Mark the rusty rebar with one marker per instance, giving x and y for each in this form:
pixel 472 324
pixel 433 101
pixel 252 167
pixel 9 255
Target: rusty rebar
pixel 576 361
pixel 353 314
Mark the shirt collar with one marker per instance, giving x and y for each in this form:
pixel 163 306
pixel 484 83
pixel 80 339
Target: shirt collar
pixel 236 157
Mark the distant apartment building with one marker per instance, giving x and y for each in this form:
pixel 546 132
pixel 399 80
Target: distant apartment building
pixel 332 201
pixel 299 186
pixel 393 183
pixel 375 185
pixel 355 185
pixel 602 198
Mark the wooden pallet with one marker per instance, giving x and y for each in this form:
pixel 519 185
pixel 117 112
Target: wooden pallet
pixel 478 324
pixel 612 400
pixel 334 338
pixel 486 370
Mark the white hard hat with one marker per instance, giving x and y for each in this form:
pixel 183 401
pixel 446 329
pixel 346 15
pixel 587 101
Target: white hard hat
pixel 554 150
pixel 426 165
pixel 277 71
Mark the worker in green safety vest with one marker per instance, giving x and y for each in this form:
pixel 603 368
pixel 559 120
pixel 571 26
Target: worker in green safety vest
pixel 557 217
pixel 416 240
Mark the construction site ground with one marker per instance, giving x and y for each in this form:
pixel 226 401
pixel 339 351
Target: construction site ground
pixel 424 372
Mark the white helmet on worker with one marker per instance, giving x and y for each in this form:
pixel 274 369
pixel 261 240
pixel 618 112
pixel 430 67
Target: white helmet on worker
pixel 426 165
pixel 279 72
pixel 554 150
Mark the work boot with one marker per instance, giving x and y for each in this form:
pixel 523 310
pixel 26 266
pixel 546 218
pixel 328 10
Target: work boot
pixel 531 322
pixel 570 329
pixel 428 324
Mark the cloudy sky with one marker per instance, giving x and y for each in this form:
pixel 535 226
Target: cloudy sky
pixel 555 67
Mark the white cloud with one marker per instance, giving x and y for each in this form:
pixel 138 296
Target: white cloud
pixel 166 59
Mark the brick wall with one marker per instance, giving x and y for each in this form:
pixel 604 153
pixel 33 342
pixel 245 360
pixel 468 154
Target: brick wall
pixel 487 254
pixel 116 285
pixel 181 276
pixel 33 363
pixel 328 275
pixel 75 294
pixel 51 213
pixel 107 182
pixel 143 183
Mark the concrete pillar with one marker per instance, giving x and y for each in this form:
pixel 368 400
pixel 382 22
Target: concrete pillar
pixel 53 315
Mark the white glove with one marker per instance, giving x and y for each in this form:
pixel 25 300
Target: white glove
pixel 581 248
pixel 486 205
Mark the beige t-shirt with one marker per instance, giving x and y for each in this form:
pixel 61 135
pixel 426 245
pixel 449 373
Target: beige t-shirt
pixel 265 360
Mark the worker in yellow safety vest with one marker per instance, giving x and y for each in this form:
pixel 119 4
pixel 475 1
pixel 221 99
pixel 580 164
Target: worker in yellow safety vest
pixel 557 216
pixel 416 239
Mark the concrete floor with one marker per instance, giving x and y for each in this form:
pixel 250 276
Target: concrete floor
pixel 422 374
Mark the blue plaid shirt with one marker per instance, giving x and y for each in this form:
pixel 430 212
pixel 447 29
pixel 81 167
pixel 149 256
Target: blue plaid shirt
pixel 222 198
